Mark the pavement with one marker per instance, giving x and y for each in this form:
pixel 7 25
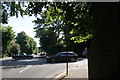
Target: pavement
pixel 81 71
pixel 77 72
pixel 6 58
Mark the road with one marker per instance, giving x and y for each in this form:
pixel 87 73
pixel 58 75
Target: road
pixel 34 68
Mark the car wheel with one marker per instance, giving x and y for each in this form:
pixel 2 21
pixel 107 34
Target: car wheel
pixel 72 59
pixel 29 57
pixel 53 60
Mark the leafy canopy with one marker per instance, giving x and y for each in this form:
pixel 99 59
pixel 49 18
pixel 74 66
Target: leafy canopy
pixel 8 36
pixel 73 14
pixel 27 44
pixel 71 20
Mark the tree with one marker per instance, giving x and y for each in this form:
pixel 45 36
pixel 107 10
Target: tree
pixel 76 15
pixel 103 57
pixel 71 19
pixel 11 9
pixel 33 46
pixel 15 48
pixel 49 40
pixel 27 44
pixel 0 13
pixel 8 36
pixel 75 27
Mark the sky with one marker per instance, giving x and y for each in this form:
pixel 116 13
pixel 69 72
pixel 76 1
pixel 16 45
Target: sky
pixel 23 24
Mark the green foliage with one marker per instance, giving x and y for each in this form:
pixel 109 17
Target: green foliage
pixel 11 9
pixel 15 48
pixel 8 36
pixel 0 13
pixel 71 20
pixel 71 15
pixel 48 40
pixel 76 18
pixel 27 44
pixel 79 39
pixel 49 34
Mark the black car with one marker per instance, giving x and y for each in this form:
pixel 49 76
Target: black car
pixel 63 56
pixel 22 56
pixel 43 55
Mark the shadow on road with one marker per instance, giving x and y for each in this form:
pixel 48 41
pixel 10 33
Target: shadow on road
pixel 79 59
pixel 9 64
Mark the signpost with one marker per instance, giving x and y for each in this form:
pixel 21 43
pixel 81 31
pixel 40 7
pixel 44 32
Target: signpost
pixel 67 65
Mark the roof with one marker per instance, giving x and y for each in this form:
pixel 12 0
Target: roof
pixel 67 51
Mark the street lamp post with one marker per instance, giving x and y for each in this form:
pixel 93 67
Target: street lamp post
pixel 67 64
pixel 67 39
pixel 67 56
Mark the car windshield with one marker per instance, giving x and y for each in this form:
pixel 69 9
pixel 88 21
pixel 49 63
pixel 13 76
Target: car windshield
pixel 65 54
pixel 24 54
pixel 57 54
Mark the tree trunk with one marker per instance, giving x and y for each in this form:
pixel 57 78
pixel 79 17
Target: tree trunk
pixel 103 58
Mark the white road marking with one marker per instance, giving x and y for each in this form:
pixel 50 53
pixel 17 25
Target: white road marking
pixel 25 69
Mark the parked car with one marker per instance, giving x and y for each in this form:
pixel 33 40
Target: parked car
pixel 43 54
pixel 22 56
pixel 63 56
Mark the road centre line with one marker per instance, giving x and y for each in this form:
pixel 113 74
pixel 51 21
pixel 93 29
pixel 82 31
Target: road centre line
pixel 25 69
